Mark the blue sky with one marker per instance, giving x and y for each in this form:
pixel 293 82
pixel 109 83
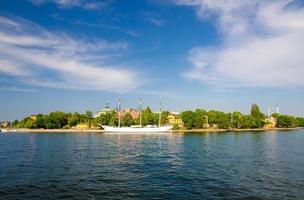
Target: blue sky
pixel 74 55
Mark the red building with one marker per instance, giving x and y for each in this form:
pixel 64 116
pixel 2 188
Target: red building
pixel 133 112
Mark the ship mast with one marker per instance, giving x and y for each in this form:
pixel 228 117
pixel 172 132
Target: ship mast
pixel 119 105
pixel 140 115
pixel 160 111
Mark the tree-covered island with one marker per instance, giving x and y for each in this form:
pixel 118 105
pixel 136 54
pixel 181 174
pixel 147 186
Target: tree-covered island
pixel 197 119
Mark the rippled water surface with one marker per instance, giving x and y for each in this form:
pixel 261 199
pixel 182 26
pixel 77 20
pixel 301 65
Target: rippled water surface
pixel 265 165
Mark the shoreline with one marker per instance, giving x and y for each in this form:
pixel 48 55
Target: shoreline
pixel 22 130
pixel 236 130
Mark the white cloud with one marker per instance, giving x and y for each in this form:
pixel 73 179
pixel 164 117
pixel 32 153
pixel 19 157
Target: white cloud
pixel 8 67
pixel 162 94
pixel 154 18
pixel 16 89
pixel 262 44
pixel 84 4
pixel 157 22
pixel 97 25
pixel 94 5
pixel 36 56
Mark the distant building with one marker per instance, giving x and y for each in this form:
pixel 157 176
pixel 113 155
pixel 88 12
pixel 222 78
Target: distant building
pixel 270 122
pixel 105 110
pixel 33 117
pixel 81 126
pixel 5 124
pixel 206 124
pixel 133 112
pixel 174 119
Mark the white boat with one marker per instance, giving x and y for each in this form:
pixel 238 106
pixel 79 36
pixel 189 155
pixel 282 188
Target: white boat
pixel 146 130
pixel 149 129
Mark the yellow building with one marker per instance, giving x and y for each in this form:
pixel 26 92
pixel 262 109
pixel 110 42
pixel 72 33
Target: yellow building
pixel 81 126
pixel 270 122
pixel 33 117
pixel 174 118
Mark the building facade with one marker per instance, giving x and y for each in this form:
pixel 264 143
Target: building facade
pixel 5 124
pixel 270 122
pixel 175 119
pixel 133 112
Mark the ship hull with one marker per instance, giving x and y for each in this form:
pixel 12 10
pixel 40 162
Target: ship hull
pixel 144 130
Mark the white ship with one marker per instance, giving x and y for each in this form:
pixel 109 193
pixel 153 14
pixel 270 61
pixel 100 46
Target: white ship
pixel 149 129
pixel 146 130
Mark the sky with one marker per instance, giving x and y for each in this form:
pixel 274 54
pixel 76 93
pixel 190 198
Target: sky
pixel 74 55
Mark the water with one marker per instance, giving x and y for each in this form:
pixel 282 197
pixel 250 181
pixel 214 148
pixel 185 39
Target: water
pixel 264 165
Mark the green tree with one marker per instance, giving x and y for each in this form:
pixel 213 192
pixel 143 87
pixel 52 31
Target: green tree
pixel 27 123
pixel 199 118
pixel 175 127
pixel 89 115
pixel 248 122
pixel 148 117
pixel 255 112
pixel 100 120
pixel 221 119
pixel 113 121
pixel 15 124
pixel 188 119
pixel 224 121
pixel 275 115
pixel 164 117
pixel 74 119
pixel 237 120
pixel 56 120
pixel 300 121
pixel 258 116
pixel 89 118
pixel 286 121
pixel 127 120
pixel 109 118
pixel 40 121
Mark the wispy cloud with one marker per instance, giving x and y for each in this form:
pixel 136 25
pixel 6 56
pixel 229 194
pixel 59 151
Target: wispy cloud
pixel 97 25
pixel 162 94
pixel 39 57
pixel 262 44
pixel 84 4
pixel 157 22
pixel 16 89
pixel 154 18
